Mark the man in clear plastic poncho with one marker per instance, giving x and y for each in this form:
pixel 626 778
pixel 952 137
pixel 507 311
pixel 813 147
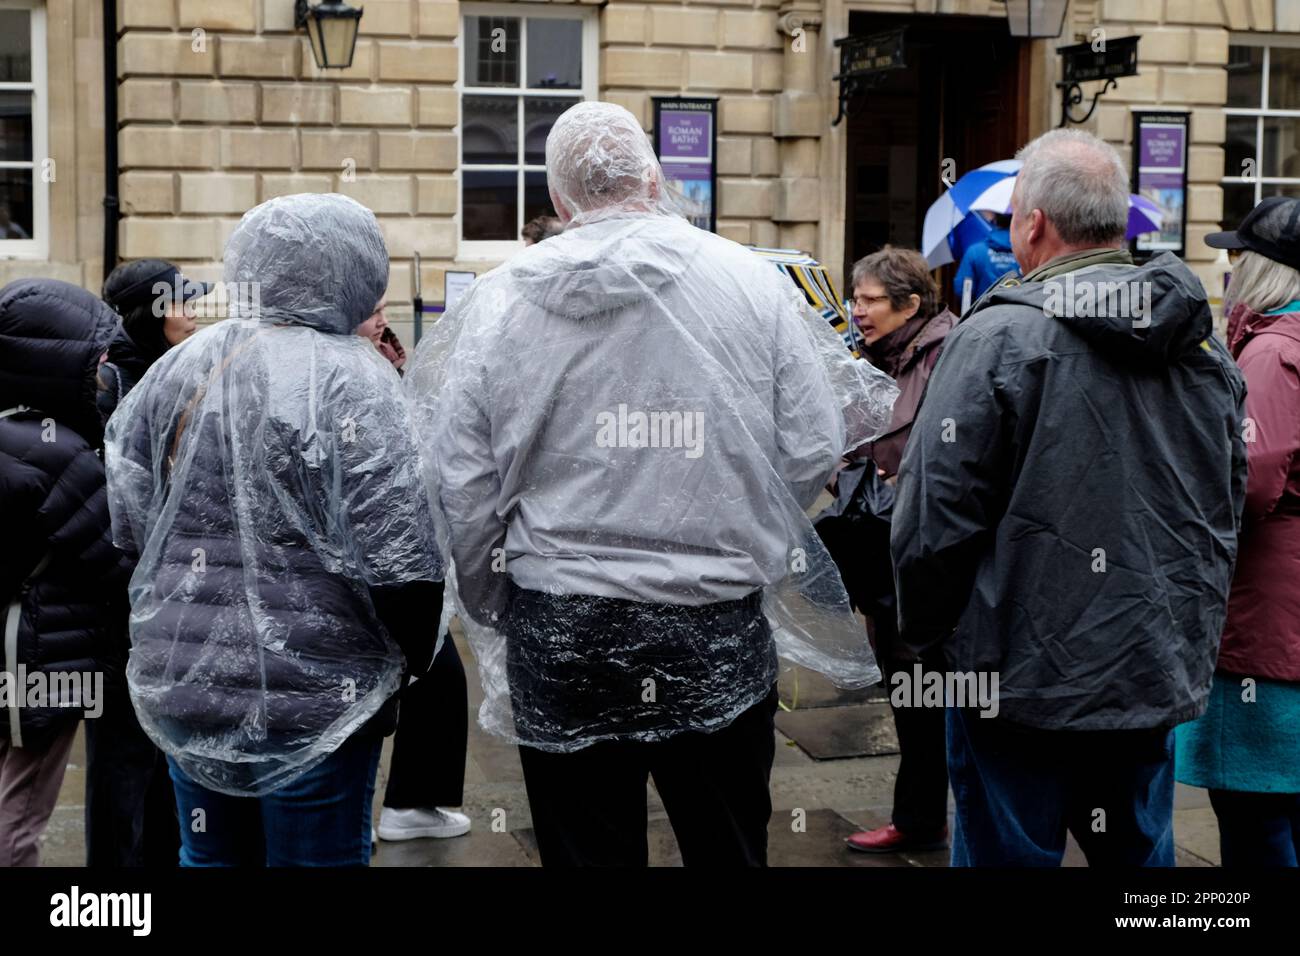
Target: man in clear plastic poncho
pixel 266 473
pixel 626 424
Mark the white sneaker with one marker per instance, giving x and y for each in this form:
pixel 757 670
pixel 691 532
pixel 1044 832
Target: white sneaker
pixel 414 824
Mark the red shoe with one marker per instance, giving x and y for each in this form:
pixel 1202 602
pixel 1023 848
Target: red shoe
pixel 889 839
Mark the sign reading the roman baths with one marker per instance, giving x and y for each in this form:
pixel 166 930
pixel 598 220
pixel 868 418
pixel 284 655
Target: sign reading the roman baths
pixel 1104 60
pixel 865 62
pixel 685 138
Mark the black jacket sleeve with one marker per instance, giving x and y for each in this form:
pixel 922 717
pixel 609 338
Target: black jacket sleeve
pixel 952 488
pixel 411 613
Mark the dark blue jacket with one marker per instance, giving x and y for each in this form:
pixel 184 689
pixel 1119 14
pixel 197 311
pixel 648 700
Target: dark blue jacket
pixel 986 262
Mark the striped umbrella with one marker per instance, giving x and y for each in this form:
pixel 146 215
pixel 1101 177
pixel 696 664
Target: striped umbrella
pixel 812 279
pixel 949 226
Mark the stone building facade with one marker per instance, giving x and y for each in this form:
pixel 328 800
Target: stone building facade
pixel 221 106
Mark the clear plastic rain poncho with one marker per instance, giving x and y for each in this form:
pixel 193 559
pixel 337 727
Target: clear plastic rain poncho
pixel 266 473
pixel 625 424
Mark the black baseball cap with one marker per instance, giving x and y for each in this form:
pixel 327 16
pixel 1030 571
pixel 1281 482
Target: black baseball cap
pixel 1272 229
pixel 134 283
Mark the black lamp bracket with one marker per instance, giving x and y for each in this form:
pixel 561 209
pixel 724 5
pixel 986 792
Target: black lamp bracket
pixel 1072 95
pixel 852 86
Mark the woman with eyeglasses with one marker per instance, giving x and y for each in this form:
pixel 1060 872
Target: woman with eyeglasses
pixel 897 311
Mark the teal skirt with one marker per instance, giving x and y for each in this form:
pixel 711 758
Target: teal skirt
pixel 1243 744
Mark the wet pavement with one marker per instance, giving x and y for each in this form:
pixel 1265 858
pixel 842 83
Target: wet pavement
pixel 836 759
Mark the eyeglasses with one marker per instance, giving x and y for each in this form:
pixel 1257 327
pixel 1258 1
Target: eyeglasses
pixel 865 301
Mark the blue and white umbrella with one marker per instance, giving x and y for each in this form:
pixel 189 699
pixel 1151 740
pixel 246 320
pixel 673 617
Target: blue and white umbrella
pixel 1144 215
pixel 949 225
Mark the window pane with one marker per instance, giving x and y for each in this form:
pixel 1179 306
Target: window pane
pixel 489 129
pixel 16 204
pixel 15 46
pixel 492 51
pixel 16 126
pixel 1239 146
pixel 1245 76
pixel 1238 199
pixel 1281 147
pixel 537 200
pixel 555 54
pixel 1282 189
pixel 489 204
pixel 1283 79
pixel 540 114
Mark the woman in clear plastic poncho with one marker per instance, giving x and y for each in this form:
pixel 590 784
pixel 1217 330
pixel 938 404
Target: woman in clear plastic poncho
pixel 266 473
pixel 638 411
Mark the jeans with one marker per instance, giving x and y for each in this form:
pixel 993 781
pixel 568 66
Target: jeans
pixel 1019 792
pixel 1257 829
pixel 320 819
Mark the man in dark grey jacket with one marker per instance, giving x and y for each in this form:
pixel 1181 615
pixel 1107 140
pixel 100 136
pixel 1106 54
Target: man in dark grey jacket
pixel 1067 525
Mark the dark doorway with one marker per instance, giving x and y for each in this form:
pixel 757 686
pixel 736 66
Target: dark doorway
pixel 963 96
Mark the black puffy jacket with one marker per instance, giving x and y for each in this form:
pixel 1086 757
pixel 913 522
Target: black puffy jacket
pixel 72 615
pixel 125 366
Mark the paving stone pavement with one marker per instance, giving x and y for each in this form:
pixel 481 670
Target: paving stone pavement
pixel 816 802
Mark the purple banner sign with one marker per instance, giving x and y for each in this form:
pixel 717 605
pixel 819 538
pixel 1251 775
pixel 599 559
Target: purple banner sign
pixel 1160 175
pixel 1162 146
pixel 685 133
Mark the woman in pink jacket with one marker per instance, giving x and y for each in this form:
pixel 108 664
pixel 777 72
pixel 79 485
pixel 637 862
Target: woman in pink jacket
pixel 1246 748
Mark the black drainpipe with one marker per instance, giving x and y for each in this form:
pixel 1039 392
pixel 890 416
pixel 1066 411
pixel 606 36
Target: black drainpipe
pixel 110 136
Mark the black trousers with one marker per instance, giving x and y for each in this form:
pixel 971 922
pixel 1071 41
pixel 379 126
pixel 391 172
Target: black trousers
pixel 589 806
pixel 130 804
pixel 859 543
pixel 428 765
pixel 921 788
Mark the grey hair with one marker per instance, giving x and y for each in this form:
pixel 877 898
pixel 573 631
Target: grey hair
pixel 1080 184
pixel 1261 283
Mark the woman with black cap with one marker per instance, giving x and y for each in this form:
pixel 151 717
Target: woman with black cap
pixel 130 804
pixel 1245 749
pixel 153 299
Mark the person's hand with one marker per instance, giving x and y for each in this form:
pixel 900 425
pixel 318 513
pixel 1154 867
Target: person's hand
pixel 835 476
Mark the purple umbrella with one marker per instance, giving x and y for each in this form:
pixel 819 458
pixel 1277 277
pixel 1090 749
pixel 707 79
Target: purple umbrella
pixel 1144 215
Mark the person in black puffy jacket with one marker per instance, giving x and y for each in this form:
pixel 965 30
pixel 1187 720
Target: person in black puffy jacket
pixel 62 583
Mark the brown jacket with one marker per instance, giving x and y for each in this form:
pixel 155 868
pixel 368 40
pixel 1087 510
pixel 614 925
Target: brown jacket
pixel 914 370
